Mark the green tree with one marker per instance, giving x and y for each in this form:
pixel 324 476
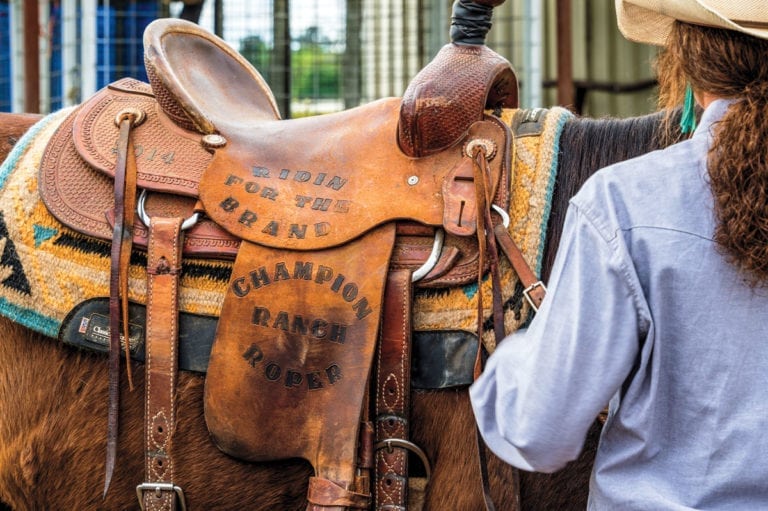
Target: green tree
pixel 315 66
pixel 256 51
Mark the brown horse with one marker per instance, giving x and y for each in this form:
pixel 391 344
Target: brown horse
pixel 53 403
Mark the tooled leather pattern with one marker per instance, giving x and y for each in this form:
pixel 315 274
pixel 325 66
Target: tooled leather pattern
pixel 168 103
pixel 449 94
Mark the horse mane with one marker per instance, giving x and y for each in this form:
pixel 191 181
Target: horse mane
pixel 587 145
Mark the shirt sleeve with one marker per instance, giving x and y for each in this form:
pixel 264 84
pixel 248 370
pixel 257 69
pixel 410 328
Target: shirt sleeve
pixel 543 387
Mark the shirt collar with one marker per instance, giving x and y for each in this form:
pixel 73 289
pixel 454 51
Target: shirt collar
pixel 714 112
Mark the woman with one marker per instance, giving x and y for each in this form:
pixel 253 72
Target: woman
pixel 658 300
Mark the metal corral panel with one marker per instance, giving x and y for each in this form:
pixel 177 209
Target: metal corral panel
pixel 398 39
pixel 368 48
pixel 612 76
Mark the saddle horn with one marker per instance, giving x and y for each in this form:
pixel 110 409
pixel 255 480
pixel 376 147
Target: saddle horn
pixel 451 92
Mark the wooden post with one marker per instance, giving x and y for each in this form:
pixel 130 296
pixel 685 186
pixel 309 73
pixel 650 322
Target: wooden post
pixel 31 57
pixel 280 74
pixel 218 18
pixel 352 63
pixel 565 86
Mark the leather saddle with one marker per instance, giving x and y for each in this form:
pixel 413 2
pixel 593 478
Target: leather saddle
pixel 330 221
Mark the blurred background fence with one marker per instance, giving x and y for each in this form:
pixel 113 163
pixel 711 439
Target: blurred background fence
pixel 321 56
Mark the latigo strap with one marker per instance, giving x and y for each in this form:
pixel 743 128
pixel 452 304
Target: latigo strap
pixel 393 391
pixel 158 492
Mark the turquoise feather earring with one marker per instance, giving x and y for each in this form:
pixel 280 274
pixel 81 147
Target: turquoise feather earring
pixel 688 120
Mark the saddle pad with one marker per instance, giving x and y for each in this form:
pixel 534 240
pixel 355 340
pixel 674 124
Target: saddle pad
pixel 48 268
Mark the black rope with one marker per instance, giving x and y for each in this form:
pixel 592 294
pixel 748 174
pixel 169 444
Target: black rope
pixel 192 12
pixel 470 22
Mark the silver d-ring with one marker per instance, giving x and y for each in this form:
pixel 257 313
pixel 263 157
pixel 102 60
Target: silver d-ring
pixel 186 224
pixel 437 248
pixel 503 214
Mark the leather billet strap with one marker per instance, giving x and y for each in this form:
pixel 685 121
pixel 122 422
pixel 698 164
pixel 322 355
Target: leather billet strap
pixel 534 289
pixel 158 492
pixel 393 393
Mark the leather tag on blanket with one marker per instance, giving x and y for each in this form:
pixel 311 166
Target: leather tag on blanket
pixel 294 347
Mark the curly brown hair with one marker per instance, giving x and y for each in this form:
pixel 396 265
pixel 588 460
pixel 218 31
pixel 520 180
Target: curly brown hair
pixel 728 64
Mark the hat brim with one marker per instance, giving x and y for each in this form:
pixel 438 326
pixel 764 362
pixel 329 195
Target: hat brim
pixel 650 21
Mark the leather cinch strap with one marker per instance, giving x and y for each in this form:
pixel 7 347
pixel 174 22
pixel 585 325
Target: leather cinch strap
pixel 393 394
pixel 158 492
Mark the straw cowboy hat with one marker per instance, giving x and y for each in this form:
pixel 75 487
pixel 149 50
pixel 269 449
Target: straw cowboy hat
pixel 650 21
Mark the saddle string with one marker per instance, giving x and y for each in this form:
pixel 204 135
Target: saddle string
pixel 122 238
pixel 486 246
pixel 534 292
pixel 128 214
pixel 493 252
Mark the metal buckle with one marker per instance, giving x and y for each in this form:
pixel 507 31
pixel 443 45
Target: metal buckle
pixel 527 293
pixel 389 443
pixel 157 488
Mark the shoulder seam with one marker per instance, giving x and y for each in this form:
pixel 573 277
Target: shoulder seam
pixel 629 277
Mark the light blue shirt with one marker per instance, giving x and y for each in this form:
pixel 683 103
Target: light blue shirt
pixel 643 312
